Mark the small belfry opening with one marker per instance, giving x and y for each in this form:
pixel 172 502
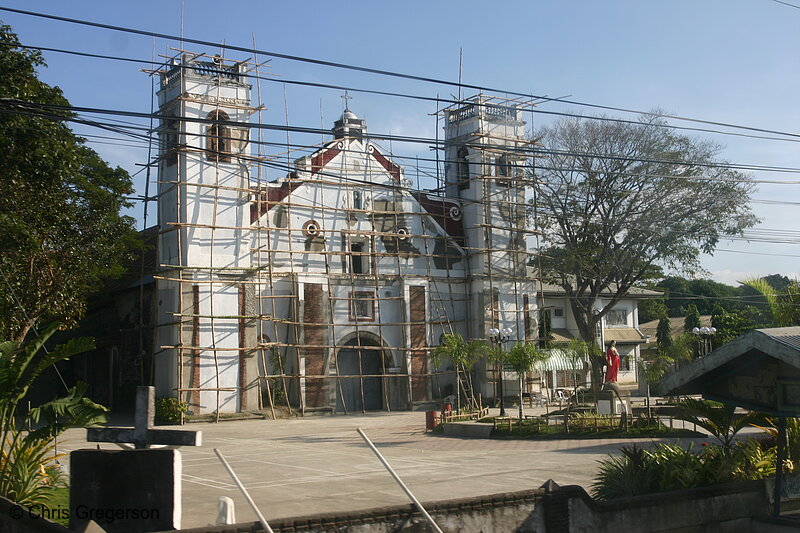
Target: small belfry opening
pixel 218 138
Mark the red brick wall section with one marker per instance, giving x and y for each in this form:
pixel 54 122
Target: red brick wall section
pixel 315 337
pixel 526 306
pixel 419 358
pixel 195 405
pixel 242 354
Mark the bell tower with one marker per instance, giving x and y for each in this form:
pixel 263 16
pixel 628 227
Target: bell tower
pixel 203 247
pixel 485 154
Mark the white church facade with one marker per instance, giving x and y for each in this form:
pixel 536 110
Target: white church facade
pixel 327 288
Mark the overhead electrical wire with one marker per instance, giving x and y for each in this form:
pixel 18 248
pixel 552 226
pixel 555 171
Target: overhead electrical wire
pixel 382 72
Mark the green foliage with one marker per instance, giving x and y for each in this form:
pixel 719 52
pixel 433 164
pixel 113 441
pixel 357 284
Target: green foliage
pixel 651 309
pixel 523 356
pixel 61 233
pixel 630 474
pixel 729 325
pixel 784 307
pixel 717 418
pixel 545 328
pixel 692 318
pixel 463 354
pixel 25 456
pixel 705 294
pixel 754 460
pixel 670 467
pixel 459 351
pixel 792 451
pixel 170 410
pixel 664 468
pixel 664 333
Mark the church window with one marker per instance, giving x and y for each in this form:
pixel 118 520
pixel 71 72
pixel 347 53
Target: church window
pixel 617 317
pixel 218 138
pixel 362 305
pixel 359 257
pixel 462 168
pixel 358 200
pixel 505 168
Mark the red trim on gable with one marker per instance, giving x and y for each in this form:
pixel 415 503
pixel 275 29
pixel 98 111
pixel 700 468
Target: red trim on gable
pixel 390 167
pixel 269 198
pixel 439 209
pixel 322 158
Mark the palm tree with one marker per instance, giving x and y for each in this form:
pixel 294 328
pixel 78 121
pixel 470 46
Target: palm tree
pixel 463 354
pixel 522 357
pixel 717 418
pixel 785 308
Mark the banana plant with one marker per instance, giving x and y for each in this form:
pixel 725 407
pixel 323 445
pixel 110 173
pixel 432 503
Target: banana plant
pixel 25 455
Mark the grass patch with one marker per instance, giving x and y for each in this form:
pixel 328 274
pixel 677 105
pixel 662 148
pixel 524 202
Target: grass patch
pixel 57 505
pixel 583 426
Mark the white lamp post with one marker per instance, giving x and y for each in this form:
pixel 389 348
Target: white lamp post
pixel 498 337
pixel 704 335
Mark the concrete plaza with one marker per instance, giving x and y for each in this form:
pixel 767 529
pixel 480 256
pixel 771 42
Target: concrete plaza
pixel 320 464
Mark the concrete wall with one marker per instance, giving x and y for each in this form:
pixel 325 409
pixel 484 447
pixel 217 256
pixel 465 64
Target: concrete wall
pixel 734 507
pixel 496 513
pixel 728 507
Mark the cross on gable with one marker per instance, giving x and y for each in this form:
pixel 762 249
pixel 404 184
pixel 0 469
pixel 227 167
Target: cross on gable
pixel 142 434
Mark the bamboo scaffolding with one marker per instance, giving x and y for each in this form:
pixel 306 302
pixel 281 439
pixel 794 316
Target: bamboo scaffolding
pixel 451 307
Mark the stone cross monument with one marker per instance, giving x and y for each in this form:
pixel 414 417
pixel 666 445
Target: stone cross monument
pixel 130 490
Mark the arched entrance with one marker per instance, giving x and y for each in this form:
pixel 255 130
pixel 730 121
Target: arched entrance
pixel 360 357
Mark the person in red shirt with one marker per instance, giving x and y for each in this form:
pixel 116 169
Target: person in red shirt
pixel 612 363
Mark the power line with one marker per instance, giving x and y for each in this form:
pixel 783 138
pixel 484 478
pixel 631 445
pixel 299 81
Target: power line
pixel 382 72
pixel 409 139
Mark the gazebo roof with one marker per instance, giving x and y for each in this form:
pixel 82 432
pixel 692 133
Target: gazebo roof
pixel 759 370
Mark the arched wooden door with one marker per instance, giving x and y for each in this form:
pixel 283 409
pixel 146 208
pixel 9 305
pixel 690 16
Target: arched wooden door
pixel 361 393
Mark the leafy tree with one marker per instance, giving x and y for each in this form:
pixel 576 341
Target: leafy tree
pixel 729 325
pixel 704 293
pixel 651 309
pixel 616 202
pixel 60 228
pixel 692 318
pixel 522 357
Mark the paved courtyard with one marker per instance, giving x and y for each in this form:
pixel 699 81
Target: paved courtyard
pixel 320 464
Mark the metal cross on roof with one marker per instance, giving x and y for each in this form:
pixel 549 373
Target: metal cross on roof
pixel 345 98
pixel 143 434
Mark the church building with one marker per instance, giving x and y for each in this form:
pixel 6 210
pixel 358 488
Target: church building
pixel 328 288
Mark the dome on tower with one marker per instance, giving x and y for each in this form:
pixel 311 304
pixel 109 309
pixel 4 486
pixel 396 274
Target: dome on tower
pixel 349 125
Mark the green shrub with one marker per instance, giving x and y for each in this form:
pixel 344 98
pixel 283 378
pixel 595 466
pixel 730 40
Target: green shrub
pixel 669 467
pixel 26 456
pixel 169 410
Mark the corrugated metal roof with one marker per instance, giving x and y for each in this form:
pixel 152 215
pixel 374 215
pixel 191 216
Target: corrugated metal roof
pixel 561 335
pixel 624 335
pixel 558 360
pixel 789 336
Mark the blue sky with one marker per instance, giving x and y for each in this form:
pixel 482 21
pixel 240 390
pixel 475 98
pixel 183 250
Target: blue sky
pixel 732 61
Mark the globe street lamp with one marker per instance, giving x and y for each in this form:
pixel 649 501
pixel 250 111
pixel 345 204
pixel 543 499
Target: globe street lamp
pixel 704 335
pixel 498 337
